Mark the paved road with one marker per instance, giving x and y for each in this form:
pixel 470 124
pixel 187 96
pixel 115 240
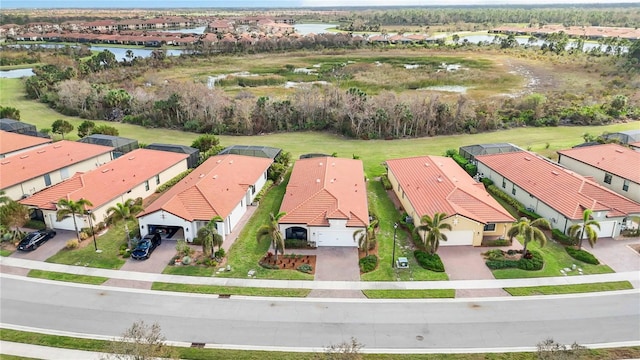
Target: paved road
pixel 390 324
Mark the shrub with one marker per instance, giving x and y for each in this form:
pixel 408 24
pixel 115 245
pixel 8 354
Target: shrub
pixel 186 260
pixel 183 248
pixel 35 224
pixel 219 254
pixel 495 254
pixel 534 262
pixel 173 181
pixel 429 261
pixel 72 244
pixel 563 239
pixel 265 188
pixel 487 182
pixel 197 241
pixel 126 255
pixel 582 255
pixel 368 263
pixel 305 268
pixel 384 179
pixel 83 235
pixel 295 244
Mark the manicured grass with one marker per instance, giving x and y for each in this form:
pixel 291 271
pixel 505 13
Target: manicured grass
pixel 569 289
pixel 409 294
pixel 109 243
pixel 12 357
pixel 381 205
pixel 52 275
pixel 215 354
pixel 555 259
pixel 231 290
pixel 189 270
pixel 4 252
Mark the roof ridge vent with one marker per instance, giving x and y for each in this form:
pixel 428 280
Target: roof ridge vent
pixel 215 176
pixel 57 146
pixel 439 178
pixel 24 156
pixel 619 151
pixel 555 172
pixel 426 164
pixel 527 158
pixel 201 176
pixel 132 157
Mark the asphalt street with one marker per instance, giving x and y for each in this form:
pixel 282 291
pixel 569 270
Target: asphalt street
pixel 387 324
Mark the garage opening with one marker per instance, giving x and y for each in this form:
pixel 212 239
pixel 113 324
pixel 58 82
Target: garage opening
pixel 167 232
pixel 296 232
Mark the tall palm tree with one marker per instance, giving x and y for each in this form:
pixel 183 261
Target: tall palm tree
pixel 210 237
pixel 530 230
pixel 271 232
pixel 72 208
pixel 587 227
pixel 433 228
pixel 124 212
pixel 366 237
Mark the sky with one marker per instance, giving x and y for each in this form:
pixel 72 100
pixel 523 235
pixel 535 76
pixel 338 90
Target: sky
pixel 275 3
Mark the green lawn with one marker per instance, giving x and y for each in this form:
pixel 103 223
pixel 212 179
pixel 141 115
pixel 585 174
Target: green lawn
pixel 52 275
pixel 569 289
pixel 189 270
pixel 383 207
pixel 555 259
pixel 409 294
pixel 109 243
pixel 4 252
pixel 231 290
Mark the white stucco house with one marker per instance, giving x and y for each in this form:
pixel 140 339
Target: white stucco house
pixel 325 202
pixel 427 185
pixel 15 143
pixel 135 175
pixel 223 186
pixel 26 173
pixel 555 193
pixel 613 166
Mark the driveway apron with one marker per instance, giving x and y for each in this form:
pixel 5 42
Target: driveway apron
pixel 49 248
pixel 337 264
pixel 156 263
pixel 616 253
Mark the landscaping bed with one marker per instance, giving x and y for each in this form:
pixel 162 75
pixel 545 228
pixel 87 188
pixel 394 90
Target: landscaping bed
pixel 302 263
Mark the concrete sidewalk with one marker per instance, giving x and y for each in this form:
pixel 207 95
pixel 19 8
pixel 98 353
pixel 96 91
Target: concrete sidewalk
pixel 7 263
pixel 48 353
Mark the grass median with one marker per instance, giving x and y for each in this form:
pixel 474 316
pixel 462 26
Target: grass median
pixel 410 294
pixel 569 289
pixel 57 276
pixel 230 290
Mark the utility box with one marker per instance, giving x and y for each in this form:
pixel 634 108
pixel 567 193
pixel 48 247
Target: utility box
pixel 402 263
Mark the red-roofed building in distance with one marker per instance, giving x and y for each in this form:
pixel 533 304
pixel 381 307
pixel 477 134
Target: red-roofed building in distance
pixel 137 174
pixel 611 165
pixel 14 143
pixel 223 186
pixel 325 202
pixel 24 174
pixel 555 193
pixel 427 185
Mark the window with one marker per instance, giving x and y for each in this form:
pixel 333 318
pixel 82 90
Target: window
pixel 47 180
pixel 158 179
pixel 513 190
pixel 625 185
pixel 490 227
pixel 607 178
pixel 504 183
pixel 64 173
pixel 146 185
pixel 253 189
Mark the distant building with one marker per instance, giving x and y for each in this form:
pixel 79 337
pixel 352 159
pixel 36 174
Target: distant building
pixel 120 145
pixel 15 143
pixel 252 150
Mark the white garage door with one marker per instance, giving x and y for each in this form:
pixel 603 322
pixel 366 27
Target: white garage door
pixel 462 237
pixel 335 238
pixel 606 229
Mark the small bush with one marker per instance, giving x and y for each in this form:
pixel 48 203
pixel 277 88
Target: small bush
pixel 295 244
pixel 72 244
pixel 536 262
pixel 368 263
pixel 126 255
pixel 563 239
pixel 186 260
pixel 83 235
pixel 35 224
pixel 487 182
pixel 582 255
pixel 532 263
pixel 429 261
pixel 384 179
pixel 219 254
pixel 197 241
pixel 183 248
pixel 305 268
pixel 495 254
pixel 173 181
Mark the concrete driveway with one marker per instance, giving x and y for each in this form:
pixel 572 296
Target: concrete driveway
pixel 616 253
pixel 337 264
pixel 49 248
pixel 156 263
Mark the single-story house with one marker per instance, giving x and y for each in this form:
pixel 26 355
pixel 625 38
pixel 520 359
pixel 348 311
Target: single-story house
pixel 15 143
pixel 611 165
pixel 136 175
pixel 325 202
pixel 31 171
pixel 427 185
pixel 555 193
pixel 223 186
pixel 194 154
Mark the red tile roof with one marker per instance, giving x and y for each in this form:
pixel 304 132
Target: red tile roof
pixel 109 181
pixel 10 142
pixel 563 190
pixel 214 188
pixel 43 160
pixel 612 158
pixel 437 184
pixel 326 188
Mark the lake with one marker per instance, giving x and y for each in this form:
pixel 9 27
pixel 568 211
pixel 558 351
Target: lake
pixel 475 39
pixel 14 74
pixel 304 29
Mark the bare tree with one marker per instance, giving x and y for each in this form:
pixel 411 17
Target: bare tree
pixel 141 342
pixel 551 350
pixel 346 350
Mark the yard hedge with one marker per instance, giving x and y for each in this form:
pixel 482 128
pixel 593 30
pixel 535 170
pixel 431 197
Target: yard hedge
pixel 164 187
pixel 368 263
pixel 582 255
pixel 536 262
pixel 429 261
pixel 384 179
pixel 560 237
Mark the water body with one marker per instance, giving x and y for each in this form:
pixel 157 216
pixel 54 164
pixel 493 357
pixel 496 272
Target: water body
pixel 304 29
pixel 15 74
pixel 120 53
pixel 475 39
pixel 197 30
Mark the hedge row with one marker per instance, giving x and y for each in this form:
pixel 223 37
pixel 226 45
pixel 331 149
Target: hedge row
pixel 496 191
pixel 164 187
pixel 429 261
pixel 582 256
pixel 470 168
pixel 384 179
pixel 295 244
pixel 560 237
pixel 368 263
pixel 535 262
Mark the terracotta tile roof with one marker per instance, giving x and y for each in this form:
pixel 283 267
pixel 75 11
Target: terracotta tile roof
pixel 612 158
pixel 326 188
pixel 43 160
pixel 10 142
pixel 437 184
pixel 563 190
pixel 212 189
pixel 109 181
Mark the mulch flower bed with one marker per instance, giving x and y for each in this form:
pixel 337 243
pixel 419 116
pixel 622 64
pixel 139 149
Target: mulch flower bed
pixel 289 261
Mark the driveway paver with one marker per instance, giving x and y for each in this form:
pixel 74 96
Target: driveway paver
pixel 337 264
pixel 616 253
pixel 156 263
pixel 49 248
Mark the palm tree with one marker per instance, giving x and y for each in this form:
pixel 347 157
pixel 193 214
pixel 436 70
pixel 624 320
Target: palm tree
pixel 578 231
pixel 433 227
pixel 124 212
pixel 4 199
pixel 210 237
pixel 72 208
pixel 366 237
pixel 530 230
pixel 271 232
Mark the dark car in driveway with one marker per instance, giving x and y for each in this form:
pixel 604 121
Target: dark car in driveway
pixel 146 246
pixel 34 239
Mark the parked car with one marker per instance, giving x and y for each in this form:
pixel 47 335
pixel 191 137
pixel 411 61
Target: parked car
pixel 34 239
pixel 146 246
